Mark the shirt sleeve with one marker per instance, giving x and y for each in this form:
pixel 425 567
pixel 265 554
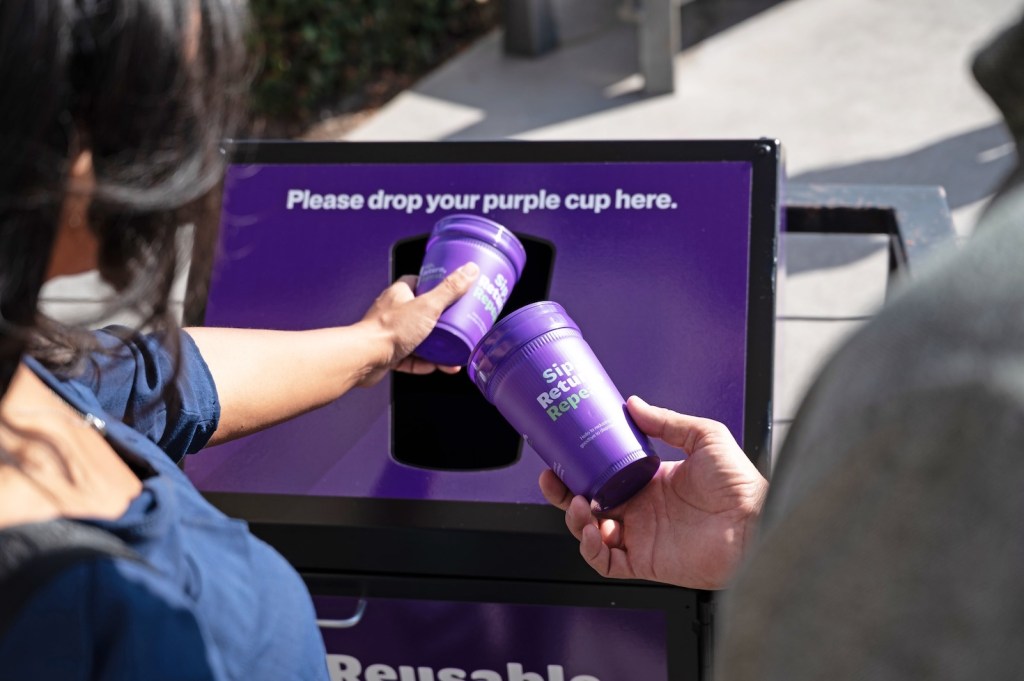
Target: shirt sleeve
pixel 107 620
pixel 169 396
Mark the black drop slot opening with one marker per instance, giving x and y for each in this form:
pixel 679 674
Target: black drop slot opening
pixel 442 421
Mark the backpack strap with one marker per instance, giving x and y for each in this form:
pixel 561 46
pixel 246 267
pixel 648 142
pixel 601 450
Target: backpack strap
pixel 33 554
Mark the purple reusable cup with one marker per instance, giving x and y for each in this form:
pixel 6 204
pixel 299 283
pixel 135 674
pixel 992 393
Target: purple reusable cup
pixel 454 241
pixel 543 377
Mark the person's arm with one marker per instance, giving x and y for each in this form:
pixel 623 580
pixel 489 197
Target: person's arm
pixel 691 525
pixel 264 377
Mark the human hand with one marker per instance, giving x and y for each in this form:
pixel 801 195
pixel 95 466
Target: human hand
pixel 406 319
pixel 689 526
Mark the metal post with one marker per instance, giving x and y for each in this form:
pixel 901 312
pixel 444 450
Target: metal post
pixel 530 28
pixel 659 37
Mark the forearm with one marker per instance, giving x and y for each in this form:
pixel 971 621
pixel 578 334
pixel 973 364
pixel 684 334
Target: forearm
pixel 264 377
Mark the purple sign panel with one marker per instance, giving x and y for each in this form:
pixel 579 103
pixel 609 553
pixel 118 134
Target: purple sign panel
pixel 408 640
pixel 649 259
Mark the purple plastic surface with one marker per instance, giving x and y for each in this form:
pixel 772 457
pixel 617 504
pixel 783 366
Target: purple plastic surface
pixel 449 640
pixel 516 330
pixel 494 234
pixel 543 377
pixel 661 293
pixel 454 241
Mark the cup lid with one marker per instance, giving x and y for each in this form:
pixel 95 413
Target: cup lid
pixel 511 333
pixel 482 229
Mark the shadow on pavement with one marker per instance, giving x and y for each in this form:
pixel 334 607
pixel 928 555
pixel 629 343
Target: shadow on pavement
pixel 969 165
pixel 604 68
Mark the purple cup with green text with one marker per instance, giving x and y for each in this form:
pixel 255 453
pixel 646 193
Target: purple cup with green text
pixel 454 241
pixel 537 369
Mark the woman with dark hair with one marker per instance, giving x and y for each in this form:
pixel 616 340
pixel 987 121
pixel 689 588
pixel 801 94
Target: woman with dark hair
pixel 111 117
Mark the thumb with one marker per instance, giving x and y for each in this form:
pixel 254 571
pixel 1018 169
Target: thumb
pixel 453 287
pixel 679 430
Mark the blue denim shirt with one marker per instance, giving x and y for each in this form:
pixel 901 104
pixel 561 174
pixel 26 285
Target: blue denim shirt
pixel 211 600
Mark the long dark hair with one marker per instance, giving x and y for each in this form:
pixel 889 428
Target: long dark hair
pixel 151 94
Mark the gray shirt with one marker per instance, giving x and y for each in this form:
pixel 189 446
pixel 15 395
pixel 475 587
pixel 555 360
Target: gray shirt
pixel 892 545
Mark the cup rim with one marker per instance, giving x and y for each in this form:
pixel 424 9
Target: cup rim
pixel 495 346
pixel 483 229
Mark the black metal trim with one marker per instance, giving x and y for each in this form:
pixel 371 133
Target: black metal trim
pixel 508 151
pixel 765 218
pixel 916 218
pixel 424 537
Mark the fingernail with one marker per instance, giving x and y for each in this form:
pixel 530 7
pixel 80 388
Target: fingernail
pixel 470 270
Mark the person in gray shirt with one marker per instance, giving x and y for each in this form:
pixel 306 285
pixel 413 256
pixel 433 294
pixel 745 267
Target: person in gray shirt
pixel 891 542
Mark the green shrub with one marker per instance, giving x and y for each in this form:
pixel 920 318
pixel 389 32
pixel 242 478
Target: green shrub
pixel 321 56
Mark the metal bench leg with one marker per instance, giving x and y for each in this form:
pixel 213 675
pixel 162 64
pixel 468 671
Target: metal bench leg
pixel 659 29
pixel 530 28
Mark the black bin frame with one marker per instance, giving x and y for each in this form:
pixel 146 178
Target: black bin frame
pixel 453 550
